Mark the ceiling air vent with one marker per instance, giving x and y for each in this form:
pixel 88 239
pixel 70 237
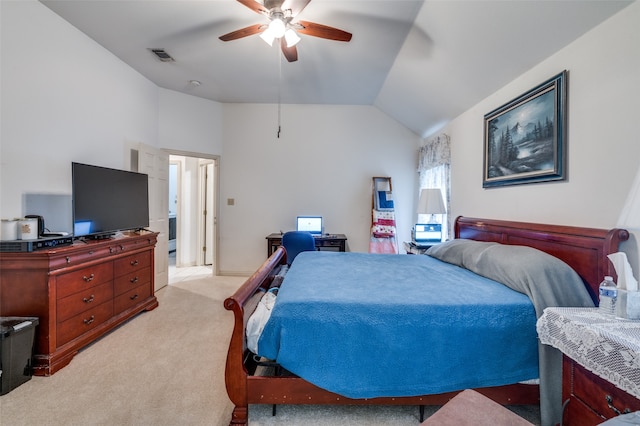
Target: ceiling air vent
pixel 162 55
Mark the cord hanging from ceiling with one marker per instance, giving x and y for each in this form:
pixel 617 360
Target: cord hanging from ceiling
pixel 279 90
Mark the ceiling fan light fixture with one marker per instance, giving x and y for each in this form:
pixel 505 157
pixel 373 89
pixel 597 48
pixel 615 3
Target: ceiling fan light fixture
pixel 291 37
pixel 277 27
pixel 267 36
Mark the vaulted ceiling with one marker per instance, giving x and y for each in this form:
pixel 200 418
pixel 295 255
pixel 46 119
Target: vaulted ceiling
pixel 421 62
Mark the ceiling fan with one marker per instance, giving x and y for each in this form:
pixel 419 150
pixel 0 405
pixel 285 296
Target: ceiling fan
pixel 281 26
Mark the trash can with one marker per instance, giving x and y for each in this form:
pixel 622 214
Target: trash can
pixel 16 351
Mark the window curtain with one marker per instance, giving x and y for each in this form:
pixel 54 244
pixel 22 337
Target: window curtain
pixel 434 168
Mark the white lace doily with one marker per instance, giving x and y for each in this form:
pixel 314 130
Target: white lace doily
pixel 606 346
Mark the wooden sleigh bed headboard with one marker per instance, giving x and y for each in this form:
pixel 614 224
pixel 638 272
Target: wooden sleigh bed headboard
pixel 584 249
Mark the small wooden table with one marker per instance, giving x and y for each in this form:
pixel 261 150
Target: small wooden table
pixel 600 379
pixel 324 242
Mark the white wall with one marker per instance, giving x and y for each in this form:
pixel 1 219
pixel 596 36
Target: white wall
pixel 603 150
pixel 64 99
pixel 189 124
pixel 322 164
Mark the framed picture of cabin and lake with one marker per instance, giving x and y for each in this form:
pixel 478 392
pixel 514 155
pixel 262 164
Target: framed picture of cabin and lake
pixel 524 140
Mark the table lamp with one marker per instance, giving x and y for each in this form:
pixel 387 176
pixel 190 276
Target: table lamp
pixel 431 202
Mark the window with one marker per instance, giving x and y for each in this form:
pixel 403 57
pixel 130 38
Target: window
pixel 434 168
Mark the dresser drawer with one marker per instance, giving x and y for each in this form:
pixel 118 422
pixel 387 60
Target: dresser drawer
pixel 137 243
pixel 131 263
pixel 131 280
pixel 576 413
pixel 598 394
pixel 329 243
pixel 73 282
pixel 83 322
pixel 131 298
pixel 83 300
pixel 79 256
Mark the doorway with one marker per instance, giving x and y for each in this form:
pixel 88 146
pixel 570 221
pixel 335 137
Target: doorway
pixel 192 206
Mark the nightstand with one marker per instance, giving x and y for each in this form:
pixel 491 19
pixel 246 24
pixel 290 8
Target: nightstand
pixel 600 371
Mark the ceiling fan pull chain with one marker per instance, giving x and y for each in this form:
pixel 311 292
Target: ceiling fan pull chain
pixel 279 90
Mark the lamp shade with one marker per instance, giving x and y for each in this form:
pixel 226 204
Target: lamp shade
pixel 291 37
pixel 431 202
pixel 267 36
pixel 277 27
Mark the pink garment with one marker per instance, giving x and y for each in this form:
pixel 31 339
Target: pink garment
pixel 383 245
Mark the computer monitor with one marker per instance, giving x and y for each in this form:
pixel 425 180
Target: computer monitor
pixel 428 233
pixel 311 224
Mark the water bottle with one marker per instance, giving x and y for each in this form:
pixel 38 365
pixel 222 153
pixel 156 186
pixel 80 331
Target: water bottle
pixel 608 296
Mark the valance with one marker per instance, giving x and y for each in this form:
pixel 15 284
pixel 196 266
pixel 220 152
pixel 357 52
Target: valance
pixel 435 152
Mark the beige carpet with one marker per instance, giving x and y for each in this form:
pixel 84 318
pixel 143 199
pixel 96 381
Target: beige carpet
pixel 166 367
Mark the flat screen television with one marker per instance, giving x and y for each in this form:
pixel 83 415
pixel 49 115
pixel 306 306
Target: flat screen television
pixel 106 201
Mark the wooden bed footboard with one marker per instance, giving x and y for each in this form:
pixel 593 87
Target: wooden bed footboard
pixel 584 249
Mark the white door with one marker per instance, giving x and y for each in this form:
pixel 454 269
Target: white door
pixel 155 163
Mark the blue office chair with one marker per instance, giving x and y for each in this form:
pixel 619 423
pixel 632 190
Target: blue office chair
pixel 295 242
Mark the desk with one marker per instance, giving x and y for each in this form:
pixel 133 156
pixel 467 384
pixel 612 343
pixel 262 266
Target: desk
pixel 324 242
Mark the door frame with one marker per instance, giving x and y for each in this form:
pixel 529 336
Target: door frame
pixel 215 196
pixel 207 206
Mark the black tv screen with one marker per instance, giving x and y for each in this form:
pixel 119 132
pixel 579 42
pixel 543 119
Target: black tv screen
pixel 106 201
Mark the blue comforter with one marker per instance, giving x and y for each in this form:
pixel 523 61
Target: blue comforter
pixel 368 325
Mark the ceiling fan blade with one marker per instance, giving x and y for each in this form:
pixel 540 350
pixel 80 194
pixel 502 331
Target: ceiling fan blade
pixel 291 53
pixel 255 6
pixel 243 32
pixel 323 31
pixel 296 6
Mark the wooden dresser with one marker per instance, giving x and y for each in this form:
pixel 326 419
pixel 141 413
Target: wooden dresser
pixel 79 292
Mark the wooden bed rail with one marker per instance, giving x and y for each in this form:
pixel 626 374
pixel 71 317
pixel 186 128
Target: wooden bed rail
pixel 242 303
pixel 258 278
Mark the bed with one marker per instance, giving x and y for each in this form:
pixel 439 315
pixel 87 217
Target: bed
pixel 583 249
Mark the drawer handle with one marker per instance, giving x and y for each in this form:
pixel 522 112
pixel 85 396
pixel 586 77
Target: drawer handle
pixel 89 300
pixel 121 247
pixel 134 280
pixel 88 278
pixel 613 408
pixel 89 321
pixel 134 297
pixel 68 259
pixel 134 262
